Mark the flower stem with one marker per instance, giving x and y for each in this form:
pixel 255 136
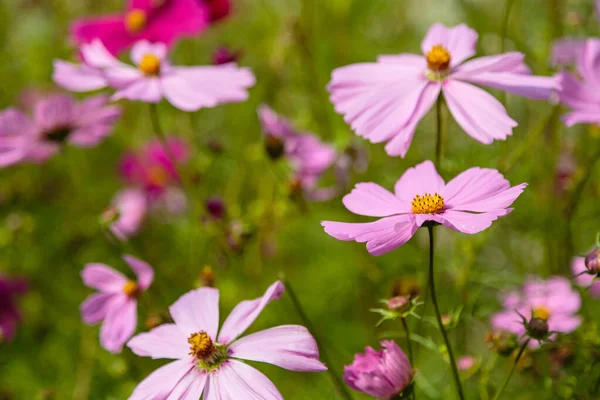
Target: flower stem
pixel 504 30
pixel 410 351
pixel 512 369
pixel 439 318
pixel 440 133
pixel 335 378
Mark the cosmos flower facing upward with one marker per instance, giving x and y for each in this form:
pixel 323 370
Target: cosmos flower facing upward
pixel 153 78
pixel 56 120
pixel 469 203
pixel 10 315
pixel 209 362
pixel 115 304
pixel 384 101
pixel 552 300
pixel 154 20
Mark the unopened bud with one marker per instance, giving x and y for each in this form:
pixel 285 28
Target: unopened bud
pixel 109 216
pixel 399 303
pixel 274 147
pixel 538 328
pixel 592 261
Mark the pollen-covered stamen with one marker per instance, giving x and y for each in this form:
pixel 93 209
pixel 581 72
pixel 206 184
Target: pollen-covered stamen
pixel 131 289
pixel 427 204
pixel 541 313
pixel 150 64
pixel 135 20
pixel 438 58
pixel 201 346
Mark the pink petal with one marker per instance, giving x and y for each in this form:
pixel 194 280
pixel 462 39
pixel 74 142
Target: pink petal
pixel 381 236
pixel 575 118
pixel 413 61
pixel 508 321
pixel 146 89
pixel 15 134
pixel 459 40
pixel 143 271
pixel 197 310
pixel 531 87
pixel 291 347
pixel 578 95
pixel 564 323
pixel 589 63
pixel 177 18
pixel 190 387
pixel 119 324
pixel 121 76
pixel 567 51
pixel 507 62
pixel 103 278
pixel 372 200
pixel 110 30
pixel 96 55
pixel 132 206
pixel 144 47
pixel 466 222
pixel 95 307
pixel 481 116
pixel 160 383
pixel 56 110
pixel 236 380
pixel 165 341
pixel 77 77
pixel 418 180
pixel 246 312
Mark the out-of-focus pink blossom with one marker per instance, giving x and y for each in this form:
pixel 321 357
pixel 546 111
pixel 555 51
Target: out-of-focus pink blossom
pixel 382 374
pixel 56 120
pixel 469 203
pixel 219 9
pixel 583 277
pixel 567 51
pixel 465 363
pixel 129 207
pixel 115 303
pixel 10 315
pixel 224 55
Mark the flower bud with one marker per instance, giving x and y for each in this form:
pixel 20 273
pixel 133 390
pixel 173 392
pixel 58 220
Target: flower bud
pixel 216 207
pixel 383 374
pixel 538 328
pixel 592 261
pixel 274 147
pixel 399 303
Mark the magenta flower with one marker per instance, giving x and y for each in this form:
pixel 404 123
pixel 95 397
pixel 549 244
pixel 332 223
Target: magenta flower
pixel 157 21
pixel 382 374
pixel 10 315
pixel 219 9
pixel 56 120
pixel 115 304
pixel 581 95
pixel 384 101
pixel 468 203
pixel 129 208
pixel 209 362
pixel 583 278
pixel 552 300
pixel 154 78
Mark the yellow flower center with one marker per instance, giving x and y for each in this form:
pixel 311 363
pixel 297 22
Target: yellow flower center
pixel 131 288
pixel 427 204
pixel 150 64
pixel 135 20
pixel 201 346
pixel 438 58
pixel 541 313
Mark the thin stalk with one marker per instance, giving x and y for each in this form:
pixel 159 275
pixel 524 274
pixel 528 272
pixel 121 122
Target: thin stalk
pixel 335 378
pixel 410 351
pixel 504 29
pixel 438 316
pixel 440 133
pixel 512 369
pixel 160 134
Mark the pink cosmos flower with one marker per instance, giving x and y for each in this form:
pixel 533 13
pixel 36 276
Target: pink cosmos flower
pixel 383 374
pixel 129 208
pixel 157 21
pixel 552 300
pixel 584 279
pixel 468 203
pixel 384 101
pixel 115 304
pixel 56 120
pixel 582 95
pixel 209 362
pixel 154 78
pixel 567 51
pixel 10 315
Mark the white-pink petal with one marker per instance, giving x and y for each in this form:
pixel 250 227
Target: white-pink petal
pixel 77 77
pixel 143 271
pixel 236 380
pixel 418 180
pixel 119 324
pixel 460 41
pixel 160 383
pixel 144 47
pixel 164 341
pixel 102 277
pixel 94 308
pixel 197 310
pixel 146 89
pixel 372 200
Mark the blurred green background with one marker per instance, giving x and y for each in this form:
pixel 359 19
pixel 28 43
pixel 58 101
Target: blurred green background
pixel 49 214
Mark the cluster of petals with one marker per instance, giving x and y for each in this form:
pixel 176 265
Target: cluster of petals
pixel 223 376
pixel 384 101
pixel 55 120
pixel 115 303
pixel 157 21
pixel 10 315
pixel 382 374
pixel 583 277
pixel 553 300
pixel 154 78
pixel 469 203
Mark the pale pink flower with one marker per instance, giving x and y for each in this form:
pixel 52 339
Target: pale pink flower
pixel 469 203
pixel 583 278
pixel 154 78
pixel 56 120
pixel 384 101
pixel 383 374
pixel 129 207
pixel 567 51
pixel 210 362
pixel 552 300
pixel 115 304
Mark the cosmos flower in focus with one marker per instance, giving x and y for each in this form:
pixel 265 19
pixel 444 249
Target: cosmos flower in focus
pixel 382 374
pixel 115 303
pixel 153 78
pixel 553 301
pixel 127 212
pixel 582 276
pixel 210 362
pixel 469 203
pixel 157 21
pixel 56 120
pixel 10 316
pixel 384 101
pixel 308 156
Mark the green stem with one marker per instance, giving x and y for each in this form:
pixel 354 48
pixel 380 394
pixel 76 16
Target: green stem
pixel 455 375
pixel 440 133
pixel 410 351
pixel 504 29
pixel 335 378
pixel 512 369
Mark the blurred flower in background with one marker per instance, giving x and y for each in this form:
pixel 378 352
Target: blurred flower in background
pixel 10 316
pixel 219 9
pixel 56 120
pixel 568 51
pixel 224 55
pixel 126 214
pixel 583 277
